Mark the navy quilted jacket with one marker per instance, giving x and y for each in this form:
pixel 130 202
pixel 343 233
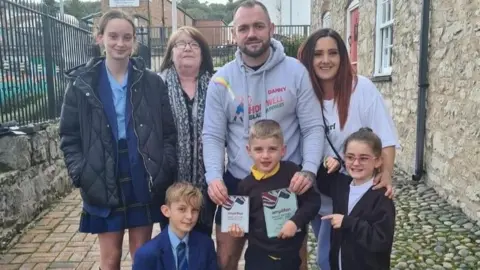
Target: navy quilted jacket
pixel 87 144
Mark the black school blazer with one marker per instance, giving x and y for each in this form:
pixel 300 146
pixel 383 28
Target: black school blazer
pixel 366 234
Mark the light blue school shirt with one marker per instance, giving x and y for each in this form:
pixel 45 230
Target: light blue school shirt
pixel 119 91
pixel 175 241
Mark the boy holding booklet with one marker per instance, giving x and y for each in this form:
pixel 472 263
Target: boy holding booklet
pixel 269 175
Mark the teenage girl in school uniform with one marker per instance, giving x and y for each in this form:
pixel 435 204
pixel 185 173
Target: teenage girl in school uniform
pixel 118 140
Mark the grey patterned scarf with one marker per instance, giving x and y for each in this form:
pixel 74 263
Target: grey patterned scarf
pixel 193 172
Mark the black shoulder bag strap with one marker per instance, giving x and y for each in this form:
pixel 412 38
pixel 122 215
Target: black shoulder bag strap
pixel 327 131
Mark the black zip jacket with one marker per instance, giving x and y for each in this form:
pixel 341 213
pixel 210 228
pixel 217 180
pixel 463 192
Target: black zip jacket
pixel 87 141
pixel 366 235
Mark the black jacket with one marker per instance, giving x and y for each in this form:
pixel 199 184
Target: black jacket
pixel 366 234
pixel 87 141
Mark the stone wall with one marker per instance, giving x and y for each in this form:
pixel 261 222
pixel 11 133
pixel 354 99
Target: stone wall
pixel 32 175
pixel 318 10
pixel 452 152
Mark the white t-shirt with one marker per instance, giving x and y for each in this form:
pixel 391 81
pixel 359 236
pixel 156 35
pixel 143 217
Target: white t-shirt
pixel 356 193
pixel 367 109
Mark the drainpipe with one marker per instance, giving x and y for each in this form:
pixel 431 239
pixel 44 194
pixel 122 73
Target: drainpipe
pixel 163 14
pixel 422 92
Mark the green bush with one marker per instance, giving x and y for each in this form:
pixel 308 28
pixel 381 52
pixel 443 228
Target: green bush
pixel 221 61
pixel 292 45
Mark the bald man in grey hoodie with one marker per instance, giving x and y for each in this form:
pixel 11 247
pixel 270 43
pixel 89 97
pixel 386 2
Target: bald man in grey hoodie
pixel 261 83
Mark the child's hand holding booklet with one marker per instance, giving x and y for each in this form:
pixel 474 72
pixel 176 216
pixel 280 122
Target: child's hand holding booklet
pixel 235 231
pixel 235 211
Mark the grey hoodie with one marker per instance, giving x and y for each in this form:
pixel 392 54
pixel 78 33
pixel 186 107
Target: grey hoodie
pixel 237 96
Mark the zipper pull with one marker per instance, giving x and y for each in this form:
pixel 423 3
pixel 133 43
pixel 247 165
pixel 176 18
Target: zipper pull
pixel 150 184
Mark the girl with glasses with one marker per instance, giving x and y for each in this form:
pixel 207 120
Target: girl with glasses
pixel 363 219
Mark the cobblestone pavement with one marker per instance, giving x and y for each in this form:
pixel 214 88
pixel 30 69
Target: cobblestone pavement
pixel 430 234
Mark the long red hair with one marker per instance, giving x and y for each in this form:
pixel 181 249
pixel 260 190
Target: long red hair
pixel 345 78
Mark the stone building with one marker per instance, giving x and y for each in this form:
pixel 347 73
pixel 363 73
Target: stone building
pixel 384 43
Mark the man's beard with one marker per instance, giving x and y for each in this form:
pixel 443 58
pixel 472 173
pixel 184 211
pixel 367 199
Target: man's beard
pixel 257 53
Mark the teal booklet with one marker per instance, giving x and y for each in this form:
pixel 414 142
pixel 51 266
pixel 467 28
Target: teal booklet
pixel 235 210
pixel 278 207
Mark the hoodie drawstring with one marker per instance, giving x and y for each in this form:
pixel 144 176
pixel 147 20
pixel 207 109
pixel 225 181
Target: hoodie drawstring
pixel 246 105
pixel 246 112
pixel 264 97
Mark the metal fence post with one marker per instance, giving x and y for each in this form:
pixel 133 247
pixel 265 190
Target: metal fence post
pixel 49 65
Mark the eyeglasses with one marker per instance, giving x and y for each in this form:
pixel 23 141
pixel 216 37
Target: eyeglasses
pixel 350 159
pixel 183 44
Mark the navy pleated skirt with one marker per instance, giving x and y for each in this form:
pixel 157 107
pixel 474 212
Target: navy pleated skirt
pixel 131 212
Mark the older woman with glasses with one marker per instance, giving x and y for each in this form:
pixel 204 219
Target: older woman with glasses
pixel 186 70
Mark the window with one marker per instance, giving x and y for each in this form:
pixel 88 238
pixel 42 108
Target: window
pixel 327 20
pixel 384 38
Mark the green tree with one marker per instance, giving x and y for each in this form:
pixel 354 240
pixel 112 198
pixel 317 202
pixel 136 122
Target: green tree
pixel 80 9
pixel 197 13
pixel 74 8
pixel 185 4
pixel 217 11
pixel 210 11
pixel 229 8
pixel 92 7
pixel 50 7
pixel 49 2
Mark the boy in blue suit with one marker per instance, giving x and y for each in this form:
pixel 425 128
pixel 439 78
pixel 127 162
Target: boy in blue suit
pixel 178 247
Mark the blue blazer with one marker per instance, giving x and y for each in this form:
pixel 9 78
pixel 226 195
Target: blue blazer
pixel 157 253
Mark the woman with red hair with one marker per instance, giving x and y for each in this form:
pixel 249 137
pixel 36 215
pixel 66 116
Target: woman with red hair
pixel 349 102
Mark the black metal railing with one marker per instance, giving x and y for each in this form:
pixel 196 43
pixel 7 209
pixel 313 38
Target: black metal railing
pixel 37 45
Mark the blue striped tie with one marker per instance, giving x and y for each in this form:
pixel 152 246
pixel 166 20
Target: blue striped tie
pixel 182 263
